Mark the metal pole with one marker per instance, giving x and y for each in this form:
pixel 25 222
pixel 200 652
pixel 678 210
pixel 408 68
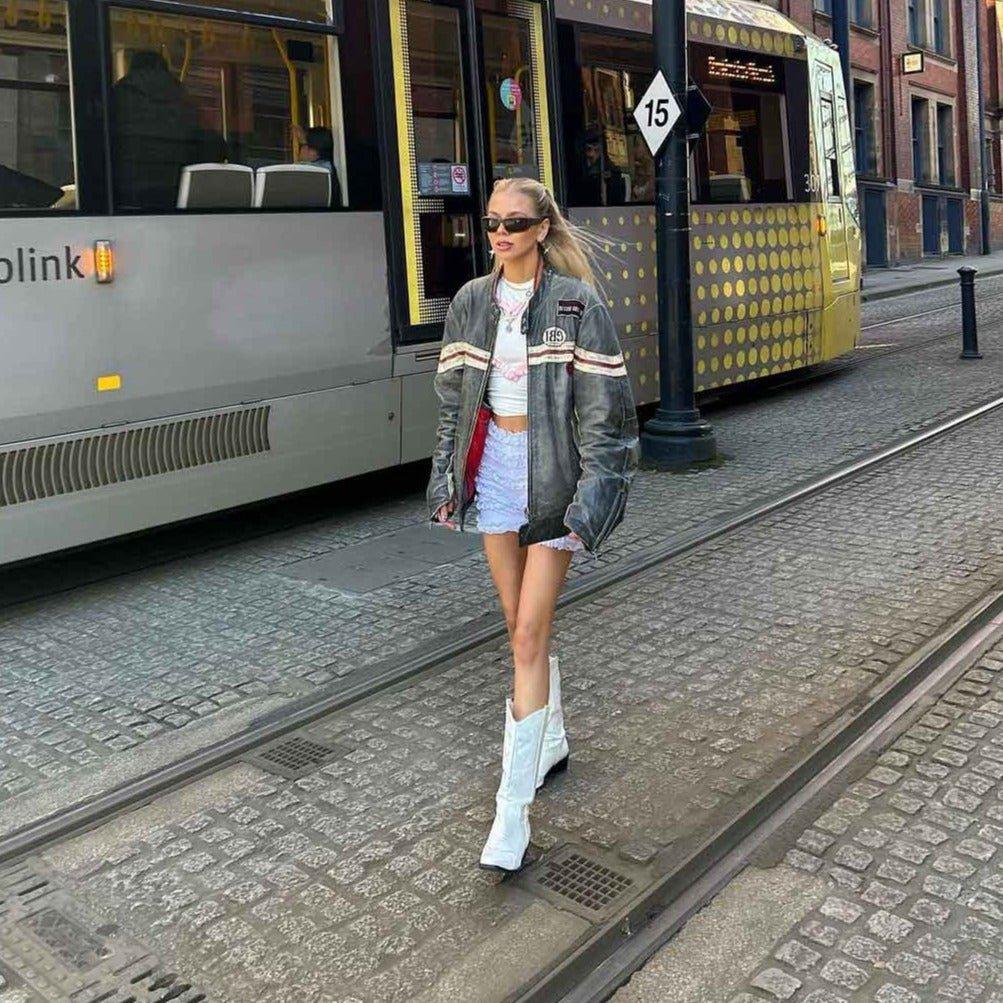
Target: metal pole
pixel 984 245
pixel 969 333
pixel 676 436
pixel 841 36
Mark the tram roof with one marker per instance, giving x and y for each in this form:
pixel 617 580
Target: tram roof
pixel 744 24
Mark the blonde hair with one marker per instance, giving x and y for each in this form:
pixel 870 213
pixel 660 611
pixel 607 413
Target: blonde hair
pixel 567 248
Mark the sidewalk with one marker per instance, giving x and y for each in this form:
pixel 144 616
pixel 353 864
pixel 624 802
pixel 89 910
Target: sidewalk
pixel 894 894
pixel 112 680
pixel 685 689
pixel 880 283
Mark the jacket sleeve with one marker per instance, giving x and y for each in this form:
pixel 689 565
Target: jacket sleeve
pixel 607 429
pixel 448 383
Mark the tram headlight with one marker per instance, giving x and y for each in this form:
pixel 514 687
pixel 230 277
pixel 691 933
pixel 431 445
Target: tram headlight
pixel 104 261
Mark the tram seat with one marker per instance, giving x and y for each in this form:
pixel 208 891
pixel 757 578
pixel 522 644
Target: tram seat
pixel 292 186
pixel 729 188
pixel 216 186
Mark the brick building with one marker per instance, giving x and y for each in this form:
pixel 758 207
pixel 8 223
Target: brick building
pixel 916 133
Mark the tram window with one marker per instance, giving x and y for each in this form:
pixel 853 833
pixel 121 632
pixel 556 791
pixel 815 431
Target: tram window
pixel 36 121
pixel 437 94
pixel 829 147
pixel 189 90
pixel 607 160
pixel 513 145
pixel 754 140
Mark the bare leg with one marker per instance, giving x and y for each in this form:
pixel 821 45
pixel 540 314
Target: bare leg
pixel 542 579
pixel 506 559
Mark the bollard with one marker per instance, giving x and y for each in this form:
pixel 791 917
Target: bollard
pixel 969 334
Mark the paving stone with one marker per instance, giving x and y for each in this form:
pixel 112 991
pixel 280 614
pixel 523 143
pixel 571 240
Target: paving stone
pixel 779 984
pixel 844 973
pixel 796 955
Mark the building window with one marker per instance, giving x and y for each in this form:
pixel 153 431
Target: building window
pixel 862 13
pixel 945 144
pixel 36 117
pixel 204 110
pixel 864 128
pixel 993 164
pixel 920 139
pixel 938 15
pixel 824 7
pixel 917 22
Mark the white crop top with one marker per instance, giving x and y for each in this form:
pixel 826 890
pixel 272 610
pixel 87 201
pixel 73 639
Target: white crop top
pixel 508 379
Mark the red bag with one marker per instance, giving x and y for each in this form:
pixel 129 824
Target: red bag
pixel 476 449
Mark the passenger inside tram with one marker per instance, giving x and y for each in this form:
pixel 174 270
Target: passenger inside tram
pixel 316 146
pixel 156 133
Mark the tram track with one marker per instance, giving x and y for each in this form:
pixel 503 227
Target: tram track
pixel 433 657
pixel 627 941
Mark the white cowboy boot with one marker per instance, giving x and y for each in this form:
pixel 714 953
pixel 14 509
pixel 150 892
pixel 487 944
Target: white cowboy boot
pixel 554 758
pixel 509 836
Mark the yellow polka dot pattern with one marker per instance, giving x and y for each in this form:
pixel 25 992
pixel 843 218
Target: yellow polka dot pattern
pixel 626 253
pixel 755 284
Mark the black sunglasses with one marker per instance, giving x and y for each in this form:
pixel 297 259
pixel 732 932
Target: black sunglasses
pixel 513 224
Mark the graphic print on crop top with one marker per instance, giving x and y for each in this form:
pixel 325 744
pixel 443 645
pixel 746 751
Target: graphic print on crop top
pixel 508 381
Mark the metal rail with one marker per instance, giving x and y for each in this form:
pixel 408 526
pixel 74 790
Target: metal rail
pixel 434 657
pixel 604 963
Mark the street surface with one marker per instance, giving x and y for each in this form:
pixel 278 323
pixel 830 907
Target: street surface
pixel 105 682
pixel 687 687
pixel 894 893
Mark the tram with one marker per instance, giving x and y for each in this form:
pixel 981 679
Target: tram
pixel 200 309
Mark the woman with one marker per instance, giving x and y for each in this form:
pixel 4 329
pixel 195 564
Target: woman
pixel 537 421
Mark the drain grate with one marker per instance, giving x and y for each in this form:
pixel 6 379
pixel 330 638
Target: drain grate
pixel 574 879
pixel 295 757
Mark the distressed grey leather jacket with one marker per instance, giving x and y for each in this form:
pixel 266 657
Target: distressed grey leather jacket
pixel 583 440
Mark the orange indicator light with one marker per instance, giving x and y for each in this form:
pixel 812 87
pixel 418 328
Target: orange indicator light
pixel 822 226
pixel 104 261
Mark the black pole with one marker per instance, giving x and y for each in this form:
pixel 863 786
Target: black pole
pixel 969 333
pixel 841 36
pixel 676 436
pixel 984 247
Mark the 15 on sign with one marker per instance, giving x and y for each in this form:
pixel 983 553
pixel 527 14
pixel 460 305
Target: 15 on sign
pixel 656 113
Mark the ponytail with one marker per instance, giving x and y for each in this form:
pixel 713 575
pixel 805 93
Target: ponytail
pixel 567 249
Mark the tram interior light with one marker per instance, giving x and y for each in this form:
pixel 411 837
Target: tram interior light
pixel 104 261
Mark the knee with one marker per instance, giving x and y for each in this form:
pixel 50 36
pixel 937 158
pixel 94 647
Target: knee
pixel 527 642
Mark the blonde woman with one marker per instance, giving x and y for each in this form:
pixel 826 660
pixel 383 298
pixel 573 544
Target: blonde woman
pixel 536 421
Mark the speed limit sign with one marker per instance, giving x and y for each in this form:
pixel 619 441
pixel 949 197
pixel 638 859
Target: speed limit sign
pixel 656 113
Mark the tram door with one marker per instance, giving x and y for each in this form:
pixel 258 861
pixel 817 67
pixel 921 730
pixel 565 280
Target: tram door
pixel 831 177
pixel 472 106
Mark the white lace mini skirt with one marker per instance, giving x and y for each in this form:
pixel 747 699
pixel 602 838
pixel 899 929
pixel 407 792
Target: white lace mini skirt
pixel 503 486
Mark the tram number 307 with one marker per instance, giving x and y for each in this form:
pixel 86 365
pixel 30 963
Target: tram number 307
pixel 812 182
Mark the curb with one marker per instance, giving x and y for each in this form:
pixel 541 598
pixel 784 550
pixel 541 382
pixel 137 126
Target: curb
pixel 881 294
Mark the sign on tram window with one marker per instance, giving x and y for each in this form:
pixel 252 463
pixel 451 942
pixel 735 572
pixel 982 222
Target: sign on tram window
pixel 36 118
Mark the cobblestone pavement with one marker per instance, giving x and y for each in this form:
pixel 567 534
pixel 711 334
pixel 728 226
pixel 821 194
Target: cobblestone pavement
pixel 908 898
pixel 686 688
pixel 117 677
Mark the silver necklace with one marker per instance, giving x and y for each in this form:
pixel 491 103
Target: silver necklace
pixel 512 311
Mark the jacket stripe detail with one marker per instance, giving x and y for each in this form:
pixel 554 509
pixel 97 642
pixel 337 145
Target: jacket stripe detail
pixel 599 364
pixel 462 353
pixel 553 356
pixel 591 367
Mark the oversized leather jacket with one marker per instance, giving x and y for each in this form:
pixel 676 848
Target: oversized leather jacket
pixel 582 423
